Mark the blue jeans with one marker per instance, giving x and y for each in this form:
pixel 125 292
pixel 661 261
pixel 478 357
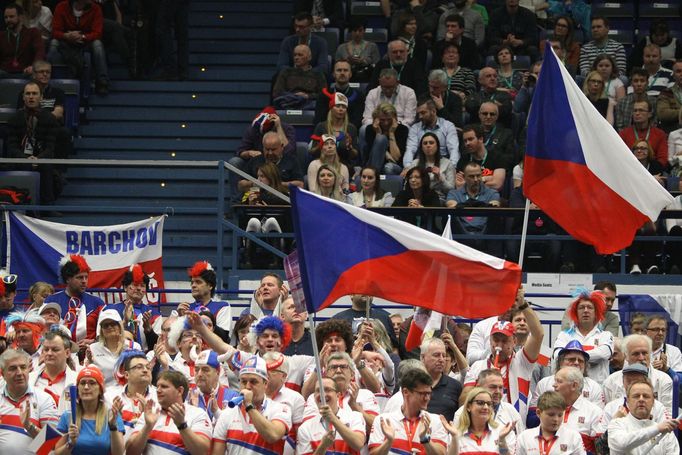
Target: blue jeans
pixel 377 157
pixel 95 47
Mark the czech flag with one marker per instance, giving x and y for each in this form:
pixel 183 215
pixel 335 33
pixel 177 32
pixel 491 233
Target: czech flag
pixel 345 250
pixel 45 441
pixel 579 171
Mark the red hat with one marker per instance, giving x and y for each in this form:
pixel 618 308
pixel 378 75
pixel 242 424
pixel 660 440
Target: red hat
pixel 262 121
pixel 93 372
pixel 503 327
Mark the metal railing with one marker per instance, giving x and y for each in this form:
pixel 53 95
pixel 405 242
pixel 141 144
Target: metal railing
pixel 430 217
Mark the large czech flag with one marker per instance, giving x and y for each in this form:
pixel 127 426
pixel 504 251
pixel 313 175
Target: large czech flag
pixel 579 171
pixel 345 250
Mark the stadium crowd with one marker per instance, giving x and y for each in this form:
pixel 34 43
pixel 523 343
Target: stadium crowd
pixel 440 120
pixel 207 380
pixel 444 110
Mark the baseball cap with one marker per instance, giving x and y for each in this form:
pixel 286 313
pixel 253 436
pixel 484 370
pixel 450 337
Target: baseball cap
pixel 503 327
pixel 636 368
pixel 53 305
pixel 255 365
pixel 209 358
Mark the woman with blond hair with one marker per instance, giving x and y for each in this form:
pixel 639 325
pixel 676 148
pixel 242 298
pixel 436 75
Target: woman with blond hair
pixel 37 294
pixel 593 88
pixel 339 126
pixel 88 434
pixel 476 429
pixel 329 157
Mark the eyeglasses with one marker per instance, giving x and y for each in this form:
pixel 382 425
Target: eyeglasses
pixel 595 81
pixel 108 325
pixel 657 329
pixel 425 394
pixel 140 366
pixel 338 367
pixel 9 279
pixel 483 403
pixel 188 335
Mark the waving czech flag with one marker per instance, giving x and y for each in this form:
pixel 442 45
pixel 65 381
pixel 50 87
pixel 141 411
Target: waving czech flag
pixel 579 171
pixel 345 250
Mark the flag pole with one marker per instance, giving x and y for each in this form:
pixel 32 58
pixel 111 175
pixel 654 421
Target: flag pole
pixel 524 232
pixel 316 355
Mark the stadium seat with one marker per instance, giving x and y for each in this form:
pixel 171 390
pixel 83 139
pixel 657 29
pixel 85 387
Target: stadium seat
pixel 366 9
pixel 331 36
pixel 521 62
pixel 71 89
pixel 10 90
pixel 297 117
pixel 625 37
pixel 391 183
pixel 610 9
pixel 5 114
pixel 376 35
pixel 659 9
pixel 23 179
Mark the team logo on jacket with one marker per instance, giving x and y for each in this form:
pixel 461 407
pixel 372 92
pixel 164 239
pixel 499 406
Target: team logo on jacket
pixel 563 447
pixel 581 419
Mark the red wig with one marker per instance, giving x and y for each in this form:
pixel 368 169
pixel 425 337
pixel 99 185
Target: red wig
pixel 597 299
pixel 79 260
pixel 138 273
pixel 198 268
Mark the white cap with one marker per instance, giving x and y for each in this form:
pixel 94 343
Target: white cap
pixel 53 305
pixel 112 315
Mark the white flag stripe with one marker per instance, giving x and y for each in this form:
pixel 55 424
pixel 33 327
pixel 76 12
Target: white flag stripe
pixel 416 238
pixel 609 158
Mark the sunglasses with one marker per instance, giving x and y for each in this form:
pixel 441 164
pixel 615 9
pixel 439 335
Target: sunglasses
pixel 9 279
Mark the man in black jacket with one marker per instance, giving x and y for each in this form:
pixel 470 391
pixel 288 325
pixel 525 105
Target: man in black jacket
pixel 31 135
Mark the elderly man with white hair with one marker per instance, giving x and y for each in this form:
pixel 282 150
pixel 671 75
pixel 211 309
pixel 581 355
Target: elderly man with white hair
pixel 638 349
pixel 581 414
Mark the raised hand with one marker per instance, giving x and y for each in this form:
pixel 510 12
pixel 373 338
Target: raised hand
pixel 177 412
pixel 425 423
pixel 151 415
pixel 506 429
pixel 450 427
pixel 387 429
pixel 115 410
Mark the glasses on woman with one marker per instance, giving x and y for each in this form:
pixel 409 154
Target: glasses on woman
pixel 595 81
pixel 483 403
pixel 640 149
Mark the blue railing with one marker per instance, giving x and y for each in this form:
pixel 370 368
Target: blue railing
pixel 430 216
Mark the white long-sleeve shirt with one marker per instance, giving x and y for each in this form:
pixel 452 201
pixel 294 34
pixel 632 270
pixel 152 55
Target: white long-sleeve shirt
pixel 631 436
